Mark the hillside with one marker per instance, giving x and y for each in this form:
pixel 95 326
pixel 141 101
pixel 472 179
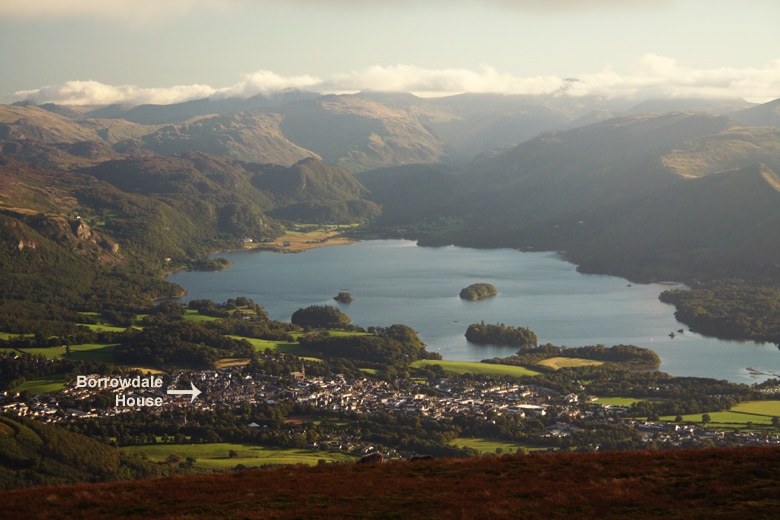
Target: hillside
pixel 766 114
pixel 637 196
pixel 106 233
pixel 31 451
pixel 648 196
pixel 360 133
pixel 732 483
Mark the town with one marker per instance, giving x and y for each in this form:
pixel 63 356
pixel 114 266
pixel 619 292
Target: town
pixel 541 416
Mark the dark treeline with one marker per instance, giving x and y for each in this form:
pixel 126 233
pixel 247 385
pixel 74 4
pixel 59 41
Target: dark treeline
pixel 395 346
pixel 35 453
pixel 16 368
pixel 732 309
pixel 500 334
pixel 627 355
pixel 320 317
pixel 180 343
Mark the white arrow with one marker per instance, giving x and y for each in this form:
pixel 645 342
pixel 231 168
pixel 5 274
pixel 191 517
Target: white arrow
pixel 194 392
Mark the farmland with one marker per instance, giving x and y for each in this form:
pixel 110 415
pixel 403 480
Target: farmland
pixel 559 362
pixel 473 367
pixel 225 456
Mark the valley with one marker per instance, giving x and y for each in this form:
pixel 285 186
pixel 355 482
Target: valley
pixel 108 215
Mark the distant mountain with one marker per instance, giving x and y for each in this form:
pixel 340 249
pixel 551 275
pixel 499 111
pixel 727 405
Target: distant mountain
pixel 357 132
pixel 767 114
pixel 480 122
pixel 640 196
pixel 314 191
pixel 721 225
pixel 710 106
pixel 30 122
pixel 248 136
pixel 181 112
pixel 245 163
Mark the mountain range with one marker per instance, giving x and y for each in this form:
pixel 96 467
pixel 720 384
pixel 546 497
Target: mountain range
pixel 653 190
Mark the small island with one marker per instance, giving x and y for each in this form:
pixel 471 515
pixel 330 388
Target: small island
pixel 500 334
pixel 343 297
pixel 478 291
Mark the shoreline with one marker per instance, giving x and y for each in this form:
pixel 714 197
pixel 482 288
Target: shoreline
pixel 301 242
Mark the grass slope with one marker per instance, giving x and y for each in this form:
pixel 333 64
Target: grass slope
pixel 713 484
pixel 473 367
pixel 217 456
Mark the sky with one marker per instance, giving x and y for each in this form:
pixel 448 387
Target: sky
pixel 86 52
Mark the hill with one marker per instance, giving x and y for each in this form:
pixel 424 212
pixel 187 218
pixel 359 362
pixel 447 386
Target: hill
pixel 766 114
pixel 88 237
pixel 357 132
pixel 723 483
pixel 34 453
pixel 645 196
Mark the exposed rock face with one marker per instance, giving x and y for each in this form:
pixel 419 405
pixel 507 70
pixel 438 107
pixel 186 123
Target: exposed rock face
pixel 14 235
pixel 26 244
pixel 81 229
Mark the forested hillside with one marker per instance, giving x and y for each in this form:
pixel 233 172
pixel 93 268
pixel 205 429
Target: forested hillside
pixel 34 453
pixel 649 197
pixel 100 234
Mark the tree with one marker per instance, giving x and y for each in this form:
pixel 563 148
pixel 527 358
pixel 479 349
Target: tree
pixel 705 418
pixel 320 317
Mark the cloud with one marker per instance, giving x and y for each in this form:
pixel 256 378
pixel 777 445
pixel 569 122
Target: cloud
pixel 408 78
pixel 653 76
pixel 267 82
pixel 96 93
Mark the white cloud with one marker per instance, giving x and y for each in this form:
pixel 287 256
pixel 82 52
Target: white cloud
pixel 653 77
pixel 408 78
pixel 267 82
pixel 96 93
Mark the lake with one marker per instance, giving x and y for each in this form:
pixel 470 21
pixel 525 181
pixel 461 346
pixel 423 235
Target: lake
pixel 395 281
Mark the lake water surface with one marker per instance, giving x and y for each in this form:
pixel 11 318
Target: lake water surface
pixel 394 281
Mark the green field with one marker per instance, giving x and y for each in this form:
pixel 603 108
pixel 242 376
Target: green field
pixel 490 446
pixel 725 420
pixel 619 401
pixel 260 345
pixel 193 315
pixel 5 336
pixel 86 352
pixel 473 367
pixel 770 408
pixel 42 385
pixel 102 327
pixel 759 413
pixel 217 456
pixel 564 362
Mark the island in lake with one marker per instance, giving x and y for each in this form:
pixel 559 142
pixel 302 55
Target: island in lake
pixel 478 291
pixel 343 297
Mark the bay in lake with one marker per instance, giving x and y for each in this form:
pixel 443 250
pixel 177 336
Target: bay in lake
pixel 394 281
